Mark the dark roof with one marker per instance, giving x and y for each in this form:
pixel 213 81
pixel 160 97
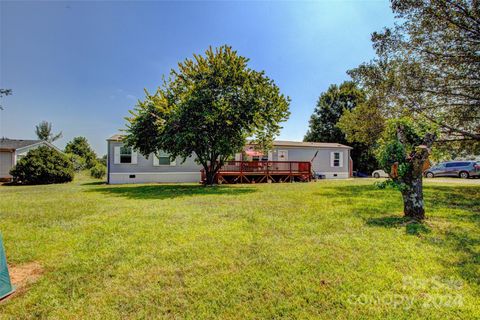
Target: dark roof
pixel 276 143
pixel 16 144
pixel 281 143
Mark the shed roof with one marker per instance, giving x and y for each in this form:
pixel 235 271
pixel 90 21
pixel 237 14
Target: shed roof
pixel 15 144
pixel 115 137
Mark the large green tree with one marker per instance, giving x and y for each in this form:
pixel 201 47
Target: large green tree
pixel 80 147
pixel 208 108
pixel 428 67
pixel 324 125
pixel 330 107
pixel 44 132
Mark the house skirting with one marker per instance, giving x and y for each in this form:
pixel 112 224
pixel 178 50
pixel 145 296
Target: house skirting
pixel 335 175
pixel 152 177
pixel 172 177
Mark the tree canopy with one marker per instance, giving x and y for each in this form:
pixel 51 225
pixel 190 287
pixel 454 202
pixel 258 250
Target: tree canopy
pixel 44 132
pixel 330 107
pixel 80 147
pixel 428 67
pixel 208 108
pixel 326 123
pixel 363 124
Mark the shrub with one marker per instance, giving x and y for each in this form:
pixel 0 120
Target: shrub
pixel 80 147
pixel 102 160
pixel 78 162
pixel 43 165
pixel 98 171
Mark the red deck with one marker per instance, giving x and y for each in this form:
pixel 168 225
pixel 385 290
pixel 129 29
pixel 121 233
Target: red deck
pixel 263 171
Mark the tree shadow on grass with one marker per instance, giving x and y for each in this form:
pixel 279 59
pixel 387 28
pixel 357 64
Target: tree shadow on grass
pixel 461 237
pixel 464 197
pixel 96 183
pixel 170 191
pixel 455 197
pixel 412 227
pixel 455 206
pixel 467 243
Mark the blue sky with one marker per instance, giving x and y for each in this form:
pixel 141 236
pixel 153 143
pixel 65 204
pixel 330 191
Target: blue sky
pixel 83 65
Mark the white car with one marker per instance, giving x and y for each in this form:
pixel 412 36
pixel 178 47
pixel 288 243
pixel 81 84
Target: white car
pixel 379 174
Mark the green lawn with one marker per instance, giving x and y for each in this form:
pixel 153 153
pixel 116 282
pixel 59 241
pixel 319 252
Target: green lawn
pixel 331 250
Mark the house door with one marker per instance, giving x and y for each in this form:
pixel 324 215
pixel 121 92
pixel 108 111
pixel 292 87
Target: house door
pixel 282 155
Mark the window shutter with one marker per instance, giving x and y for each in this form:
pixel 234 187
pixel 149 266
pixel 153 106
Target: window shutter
pixel 341 159
pixel 332 159
pixel 116 155
pixel 173 163
pixel 156 163
pixel 270 156
pixel 134 156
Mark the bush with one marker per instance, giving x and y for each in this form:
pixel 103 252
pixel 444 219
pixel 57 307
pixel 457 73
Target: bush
pixel 43 165
pixel 80 147
pixel 103 160
pixel 78 162
pixel 98 171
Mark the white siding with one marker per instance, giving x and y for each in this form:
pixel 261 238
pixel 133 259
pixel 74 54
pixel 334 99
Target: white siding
pixel 116 156
pixel 156 162
pixel 282 155
pixel 6 164
pixel 154 177
pixel 134 157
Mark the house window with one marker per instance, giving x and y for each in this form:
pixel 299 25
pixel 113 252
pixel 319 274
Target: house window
pixel 125 154
pixel 163 158
pixel 336 159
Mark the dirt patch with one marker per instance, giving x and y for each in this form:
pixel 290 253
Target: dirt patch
pixel 23 275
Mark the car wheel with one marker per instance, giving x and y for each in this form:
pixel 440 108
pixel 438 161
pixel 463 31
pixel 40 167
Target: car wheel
pixel 429 175
pixel 464 175
pixel 376 175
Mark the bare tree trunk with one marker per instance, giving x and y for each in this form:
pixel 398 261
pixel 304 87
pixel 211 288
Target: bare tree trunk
pixel 413 206
pixel 210 177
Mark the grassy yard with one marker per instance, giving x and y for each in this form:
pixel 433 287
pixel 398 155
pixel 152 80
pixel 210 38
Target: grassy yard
pixel 331 250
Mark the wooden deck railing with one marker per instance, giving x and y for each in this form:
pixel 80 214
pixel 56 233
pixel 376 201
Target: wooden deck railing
pixel 266 167
pixel 289 169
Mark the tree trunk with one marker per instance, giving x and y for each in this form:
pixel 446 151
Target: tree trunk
pixel 412 180
pixel 413 206
pixel 210 177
